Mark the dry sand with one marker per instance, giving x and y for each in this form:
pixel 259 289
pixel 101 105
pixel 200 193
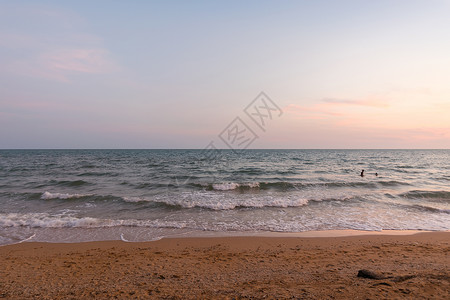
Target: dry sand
pixel 414 267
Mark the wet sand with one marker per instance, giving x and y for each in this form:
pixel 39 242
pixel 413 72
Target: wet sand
pixel 406 266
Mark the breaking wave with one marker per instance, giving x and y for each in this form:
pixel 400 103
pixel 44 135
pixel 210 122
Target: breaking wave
pixel 443 196
pixel 44 220
pixel 285 185
pixel 48 195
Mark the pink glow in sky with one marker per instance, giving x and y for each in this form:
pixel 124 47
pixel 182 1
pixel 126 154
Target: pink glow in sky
pixel 156 74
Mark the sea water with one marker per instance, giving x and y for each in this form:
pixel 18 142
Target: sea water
pixel 141 195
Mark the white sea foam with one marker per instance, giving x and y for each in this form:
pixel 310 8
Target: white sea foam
pixel 226 186
pixel 47 196
pixel 52 221
pixel 44 220
pixel 27 239
pixel 135 199
pixel 123 239
pixel 214 201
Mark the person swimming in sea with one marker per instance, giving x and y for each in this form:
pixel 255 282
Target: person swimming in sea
pixel 362 173
pixel 376 174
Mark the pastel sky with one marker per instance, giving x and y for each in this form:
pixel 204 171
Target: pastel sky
pixel 174 74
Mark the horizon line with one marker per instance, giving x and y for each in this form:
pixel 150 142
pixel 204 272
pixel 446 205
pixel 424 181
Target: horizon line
pixel 9 149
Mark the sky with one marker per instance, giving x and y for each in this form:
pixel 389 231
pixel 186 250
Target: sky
pixel 177 74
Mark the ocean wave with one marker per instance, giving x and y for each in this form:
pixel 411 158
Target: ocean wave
pixel 225 186
pixel 61 183
pixel 135 199
pixel 423 208
pixel 430 195
pixel 70 183
pixel 74 183
pixel 250 171
pixel 214 203
pixel 234 185
pixel 392 183
pixel 82 197
pixel 286 186
pixel 205 199
pixel 244 186
pixel 48 196
pixel 223 201
pixel 408 167
pixel 154 185
pixel 44 220
pixel 87 174
pixel 88 166
pixel 431 209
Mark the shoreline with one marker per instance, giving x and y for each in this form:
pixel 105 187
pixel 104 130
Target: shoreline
pixel 220 234
pixel 413 265
pixel 312 233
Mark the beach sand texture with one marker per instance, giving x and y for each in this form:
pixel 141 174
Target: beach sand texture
pixel 409 266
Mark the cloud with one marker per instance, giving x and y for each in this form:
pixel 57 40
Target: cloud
pixel 9 40
pixel 54 48
pixel 59 65
pixel 407 119
pixel 428 134
pixel 77 60
pixel 333 107
pixel 310 112
pixel 366 102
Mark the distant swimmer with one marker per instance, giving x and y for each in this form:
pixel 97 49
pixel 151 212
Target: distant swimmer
pixel 376 174
pixel 362 173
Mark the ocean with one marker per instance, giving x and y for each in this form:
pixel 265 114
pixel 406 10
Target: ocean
pixel 143 195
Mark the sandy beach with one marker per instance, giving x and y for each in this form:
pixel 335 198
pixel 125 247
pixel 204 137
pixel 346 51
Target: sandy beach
pixel 401 266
